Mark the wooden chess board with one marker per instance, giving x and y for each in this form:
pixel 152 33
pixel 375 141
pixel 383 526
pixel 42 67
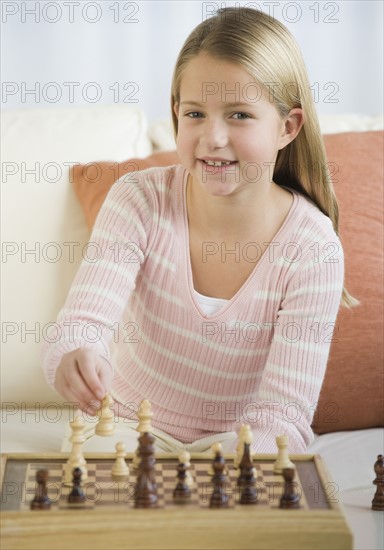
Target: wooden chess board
pixel 110 520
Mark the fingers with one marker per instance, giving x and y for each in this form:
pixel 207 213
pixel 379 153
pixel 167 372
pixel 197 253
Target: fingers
pixel 80 378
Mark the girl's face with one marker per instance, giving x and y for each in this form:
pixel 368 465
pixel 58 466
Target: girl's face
pixel 223 117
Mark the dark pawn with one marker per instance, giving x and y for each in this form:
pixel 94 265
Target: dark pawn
pixel 41 500
pixel 290 497
pixel 76 496
pixel 146 488
pixel 378 499
pixel 246 481
pixel 182 492
pixel 219 498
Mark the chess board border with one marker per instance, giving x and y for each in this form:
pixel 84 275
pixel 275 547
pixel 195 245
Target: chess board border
pixel 176 527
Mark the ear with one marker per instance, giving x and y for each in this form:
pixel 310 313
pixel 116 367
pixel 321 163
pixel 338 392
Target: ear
pixel 176 109
pixel 292 124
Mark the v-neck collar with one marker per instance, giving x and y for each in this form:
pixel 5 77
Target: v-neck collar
pixel 259 270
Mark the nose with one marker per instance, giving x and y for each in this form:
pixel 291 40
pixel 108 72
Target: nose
pixel 214 134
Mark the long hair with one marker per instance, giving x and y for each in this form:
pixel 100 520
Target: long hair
pixel 266 50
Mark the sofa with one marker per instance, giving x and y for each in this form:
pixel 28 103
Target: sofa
pixel 57 166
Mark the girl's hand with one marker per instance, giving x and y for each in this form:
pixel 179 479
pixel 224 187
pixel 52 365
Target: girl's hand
pixel 83 377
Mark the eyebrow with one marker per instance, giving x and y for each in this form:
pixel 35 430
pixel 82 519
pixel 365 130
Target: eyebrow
pixel 234 104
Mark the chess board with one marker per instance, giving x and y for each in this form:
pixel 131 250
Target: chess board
pixel 109 519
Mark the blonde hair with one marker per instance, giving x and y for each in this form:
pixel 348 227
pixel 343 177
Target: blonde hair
pixel 267 50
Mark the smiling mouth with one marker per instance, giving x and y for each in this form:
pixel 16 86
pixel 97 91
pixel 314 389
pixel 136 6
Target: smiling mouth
pixel 218 163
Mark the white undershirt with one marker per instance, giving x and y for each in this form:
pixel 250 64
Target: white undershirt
pixel 210 305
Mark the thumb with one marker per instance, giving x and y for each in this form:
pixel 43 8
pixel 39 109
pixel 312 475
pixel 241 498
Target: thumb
pixel 105 374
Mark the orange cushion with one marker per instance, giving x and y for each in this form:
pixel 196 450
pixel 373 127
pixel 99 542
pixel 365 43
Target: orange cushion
pixel 352 393
pixel 92 181
pixel 352 396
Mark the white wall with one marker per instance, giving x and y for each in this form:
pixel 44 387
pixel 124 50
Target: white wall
pixel 49 43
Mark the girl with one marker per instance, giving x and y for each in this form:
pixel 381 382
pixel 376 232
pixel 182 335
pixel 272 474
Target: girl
pixel 234 274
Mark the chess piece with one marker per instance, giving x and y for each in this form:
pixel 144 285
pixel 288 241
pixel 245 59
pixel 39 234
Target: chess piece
pixel 247 481
pixel 184 458
pixel 378 499
pixel 76 458
pixel 76 496
pixel 182 491
pixel 41 500
pixel 146 488
pixel 219 498
pixel 135 460
pixel 120 467
pixel 245 435
pixel 282 456
pixel 144 415
pixel 290 497
pixel 105 426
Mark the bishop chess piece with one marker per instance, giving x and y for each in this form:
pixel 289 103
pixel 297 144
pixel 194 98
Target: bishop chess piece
pixel 219 498
pixel 146 487
pixel 282 456
pixel 291 496
pixel 76 458
pixel 247 481
pixel 106 426
pixel 41 500
pixel 378 499
pixel 182 491
pixel 76 496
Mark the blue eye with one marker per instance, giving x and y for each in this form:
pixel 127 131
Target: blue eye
pixel 243 116
pixel 194 114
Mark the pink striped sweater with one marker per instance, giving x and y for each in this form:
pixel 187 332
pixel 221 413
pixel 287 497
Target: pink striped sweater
pixel 260 359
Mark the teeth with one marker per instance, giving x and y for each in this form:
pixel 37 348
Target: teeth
pixel 216 163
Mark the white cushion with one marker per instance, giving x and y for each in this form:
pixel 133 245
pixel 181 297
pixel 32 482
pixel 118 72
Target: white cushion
pixel 41 208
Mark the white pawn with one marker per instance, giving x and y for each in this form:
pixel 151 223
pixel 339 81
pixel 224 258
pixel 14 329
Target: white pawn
pixel 76 458
pixel 144 415
pixel 283 460
pixel 120 467
pixel 184 458
pixel 105 426
pixel 135 461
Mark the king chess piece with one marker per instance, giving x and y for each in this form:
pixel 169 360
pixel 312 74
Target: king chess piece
pixel 146 488
pixel 378 499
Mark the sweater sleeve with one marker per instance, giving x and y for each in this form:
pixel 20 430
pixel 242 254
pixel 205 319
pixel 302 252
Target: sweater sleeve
pixel 298 355
pixel 106 275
